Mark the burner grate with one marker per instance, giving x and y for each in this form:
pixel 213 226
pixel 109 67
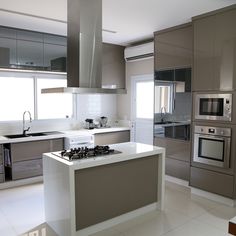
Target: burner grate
pixel 85 152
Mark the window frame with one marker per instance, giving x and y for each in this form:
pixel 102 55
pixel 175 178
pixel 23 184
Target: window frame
pixel 36 76
pixel 171 97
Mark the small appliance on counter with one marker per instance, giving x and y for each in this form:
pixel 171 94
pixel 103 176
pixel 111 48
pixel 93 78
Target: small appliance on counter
pixel 89 124
pixel 103 122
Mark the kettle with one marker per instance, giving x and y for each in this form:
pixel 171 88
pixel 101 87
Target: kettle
pixel 89 124
pixel 103 121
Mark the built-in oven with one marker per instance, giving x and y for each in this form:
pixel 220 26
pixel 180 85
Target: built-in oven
pixel 212 146
pixel 213 106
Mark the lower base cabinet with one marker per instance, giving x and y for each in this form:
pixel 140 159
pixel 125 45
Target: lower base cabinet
pixel 177 156
pixel 213 182
pixel 178 169
pixel 2 178
pixel 112 137
pixel 26 157
pixel 27 169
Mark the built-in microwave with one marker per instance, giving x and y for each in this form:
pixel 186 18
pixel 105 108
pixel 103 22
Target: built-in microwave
pixel 213 106
pixel 212 146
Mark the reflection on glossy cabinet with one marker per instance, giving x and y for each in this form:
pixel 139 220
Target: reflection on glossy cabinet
pixel 177 156
pixel 7 52
pixel 173 47
pixel 215 51
pixel 176 149
pixel 55 57
pixel 32 50
pixel 29 54
pixel 112 137
pixel 27 157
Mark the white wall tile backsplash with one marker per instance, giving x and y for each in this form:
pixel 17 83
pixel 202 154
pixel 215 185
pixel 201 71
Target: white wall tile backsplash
pixel 96 105
pixel 88 106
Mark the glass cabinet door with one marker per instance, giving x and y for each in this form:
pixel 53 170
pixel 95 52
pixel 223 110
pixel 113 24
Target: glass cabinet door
pixel 55 57
pixel 30 54
pixel 7 52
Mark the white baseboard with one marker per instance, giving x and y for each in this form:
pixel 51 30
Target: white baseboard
pixel 117 220
pixel 21 182
pixel 177 181
pixel 213 197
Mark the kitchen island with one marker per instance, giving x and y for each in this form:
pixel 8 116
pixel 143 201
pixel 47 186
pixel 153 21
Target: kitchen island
pixel 88 195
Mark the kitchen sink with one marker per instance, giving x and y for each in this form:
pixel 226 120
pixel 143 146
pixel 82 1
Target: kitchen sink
pixel 24 136
pixel 31 134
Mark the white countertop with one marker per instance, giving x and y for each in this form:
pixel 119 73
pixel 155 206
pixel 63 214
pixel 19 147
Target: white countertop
pixel 129 150
pixel 62 134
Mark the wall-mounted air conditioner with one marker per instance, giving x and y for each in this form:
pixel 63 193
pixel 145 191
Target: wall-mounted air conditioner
pixel 139 52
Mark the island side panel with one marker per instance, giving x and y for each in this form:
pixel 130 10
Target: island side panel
pixel 57 195
pixel 108 191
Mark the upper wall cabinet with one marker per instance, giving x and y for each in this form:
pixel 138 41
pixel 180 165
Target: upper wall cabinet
pixel 181 77
pixel 215 51
pixel 32 50
pixel 7 47
pixel 173 47
pixel 55 51
pixel 29 49
pixel 113 66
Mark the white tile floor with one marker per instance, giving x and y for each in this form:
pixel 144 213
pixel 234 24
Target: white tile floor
pixel 22 213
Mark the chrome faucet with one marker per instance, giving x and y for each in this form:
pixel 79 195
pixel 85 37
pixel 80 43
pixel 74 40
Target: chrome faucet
pixel 30 120
pixel 163 113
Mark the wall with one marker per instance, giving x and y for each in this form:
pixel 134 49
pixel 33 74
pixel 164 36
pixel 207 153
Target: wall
pixel 141 67
pixel 96 105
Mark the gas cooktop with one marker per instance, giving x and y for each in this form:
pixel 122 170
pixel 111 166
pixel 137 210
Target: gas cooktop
pixel 85 152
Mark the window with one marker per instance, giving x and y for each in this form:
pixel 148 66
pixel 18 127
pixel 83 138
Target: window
pixel 19 94
pixel 16 96
pixel 164 97
pixel 51 106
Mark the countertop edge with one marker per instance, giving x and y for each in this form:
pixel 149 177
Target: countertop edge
pixel 124 156
pixel 63 134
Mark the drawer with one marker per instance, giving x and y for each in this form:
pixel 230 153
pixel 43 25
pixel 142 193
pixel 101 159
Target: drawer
pixel 206 180
pixel 27 169
pixel 1 169
pixel 29 150
pixel 178 169
pixel 175 149
pixel 2 178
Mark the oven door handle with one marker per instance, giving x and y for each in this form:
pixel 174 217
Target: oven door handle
pixel 221 138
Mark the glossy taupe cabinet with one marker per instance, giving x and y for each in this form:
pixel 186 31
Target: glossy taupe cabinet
pixel 173 47
pixel 112 137
pixel 215 51
pixel 32 50
pixel 113 66
pixel 27 157
pixel 177 156
pixel 1 165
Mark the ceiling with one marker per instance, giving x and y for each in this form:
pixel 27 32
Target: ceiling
pixel 132 20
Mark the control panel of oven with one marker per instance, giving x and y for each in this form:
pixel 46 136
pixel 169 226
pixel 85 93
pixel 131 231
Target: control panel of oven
pixel 218 131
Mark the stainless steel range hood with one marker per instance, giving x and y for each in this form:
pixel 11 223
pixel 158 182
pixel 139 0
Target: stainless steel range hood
pixel 84 49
